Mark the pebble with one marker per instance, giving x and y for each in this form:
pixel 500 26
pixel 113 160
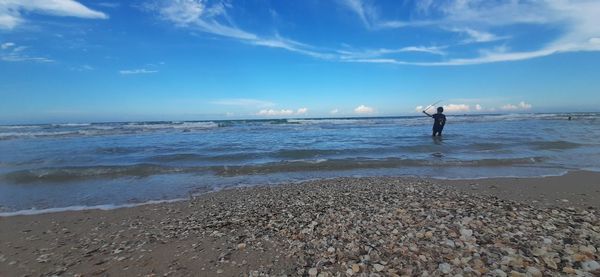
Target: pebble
pixel 590 266
pixel 363 227
pixel 533 272
pixel 445 268
pixel 517 274
pixel 550 262
pixel 499 273
pixel 466 232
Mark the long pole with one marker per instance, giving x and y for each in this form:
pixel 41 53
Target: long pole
pixel 429 107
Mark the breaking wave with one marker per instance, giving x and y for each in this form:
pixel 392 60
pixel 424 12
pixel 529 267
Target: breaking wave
pixel 67 174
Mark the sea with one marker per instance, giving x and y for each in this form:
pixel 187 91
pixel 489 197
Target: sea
pixel 54 167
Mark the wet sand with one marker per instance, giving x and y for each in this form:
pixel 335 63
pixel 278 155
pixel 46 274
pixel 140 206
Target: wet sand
pixel 348 226
pixel 575 189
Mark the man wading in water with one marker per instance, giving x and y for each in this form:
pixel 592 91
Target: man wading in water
pixel 439 121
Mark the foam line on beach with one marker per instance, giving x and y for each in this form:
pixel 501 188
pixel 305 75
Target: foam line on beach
pixel 104 207
pixel 563 173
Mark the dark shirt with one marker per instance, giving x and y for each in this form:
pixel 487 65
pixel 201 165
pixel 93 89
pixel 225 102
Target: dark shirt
pixel 440 121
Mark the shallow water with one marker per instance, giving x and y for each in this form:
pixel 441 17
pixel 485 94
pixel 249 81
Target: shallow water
pixel 55 166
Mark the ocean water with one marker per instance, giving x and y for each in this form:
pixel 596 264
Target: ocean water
pixel 111 164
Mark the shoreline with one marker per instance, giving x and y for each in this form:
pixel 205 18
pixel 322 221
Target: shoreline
pixel 384 225
pixel 497 186
pixel 574 189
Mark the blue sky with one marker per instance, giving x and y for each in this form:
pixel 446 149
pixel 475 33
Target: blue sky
pixel 72 61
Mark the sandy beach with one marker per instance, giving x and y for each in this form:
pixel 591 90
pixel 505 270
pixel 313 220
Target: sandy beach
pixel 338 227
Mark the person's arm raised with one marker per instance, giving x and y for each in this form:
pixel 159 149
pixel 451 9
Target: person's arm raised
pixel 426 113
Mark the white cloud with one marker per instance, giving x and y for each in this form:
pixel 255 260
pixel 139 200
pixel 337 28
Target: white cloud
pixel 334 111
pixel 371 19
pixel 462 108
pixel 7 45
pixel 243 102
pixel 362 109
pixel 580 27
pixel 282 112
pixel 521 106
pixel 509 107
pixel 10 52
pixel 15 58
pixel 182 12
pixel 137 71
pixel 109 4
pixel 524 105
pixel 214 19
pixel 457 108
pixel 374 53
pixel 11 11
pixel 579 21
pixel 272 112
pixel 477 36
pixel 302 111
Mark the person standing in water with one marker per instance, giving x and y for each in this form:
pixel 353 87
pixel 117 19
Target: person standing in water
pixel 439 121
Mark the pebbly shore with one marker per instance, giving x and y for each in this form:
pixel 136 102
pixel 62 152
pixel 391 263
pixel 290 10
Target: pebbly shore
pixel 339 227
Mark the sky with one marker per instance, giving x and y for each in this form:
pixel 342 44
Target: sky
pixel 109 60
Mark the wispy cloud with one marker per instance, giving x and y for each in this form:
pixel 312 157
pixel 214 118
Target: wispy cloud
pixel 282 112
pixel 272 112
pixel 334 111
pixel 478 108
pixel 365 12
pixel 11 52
pixel 137 71
pixel 457 108
pixel 214 19
pixel 82 68
pixel 451 108
pixel 381 52
pixel 581 26
pixel 12 11
pixel 302 111
pixel 109 4
pixel 7 45
pixel 581 31
pixel 521 106
pixel 475 36
pixel 369 15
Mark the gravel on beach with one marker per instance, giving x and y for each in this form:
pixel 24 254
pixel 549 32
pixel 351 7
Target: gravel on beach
pixel 339 227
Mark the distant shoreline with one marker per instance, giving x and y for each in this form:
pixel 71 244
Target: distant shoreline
pixel 258 119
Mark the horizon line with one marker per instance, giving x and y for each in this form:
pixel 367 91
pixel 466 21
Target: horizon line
pixel 282 118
